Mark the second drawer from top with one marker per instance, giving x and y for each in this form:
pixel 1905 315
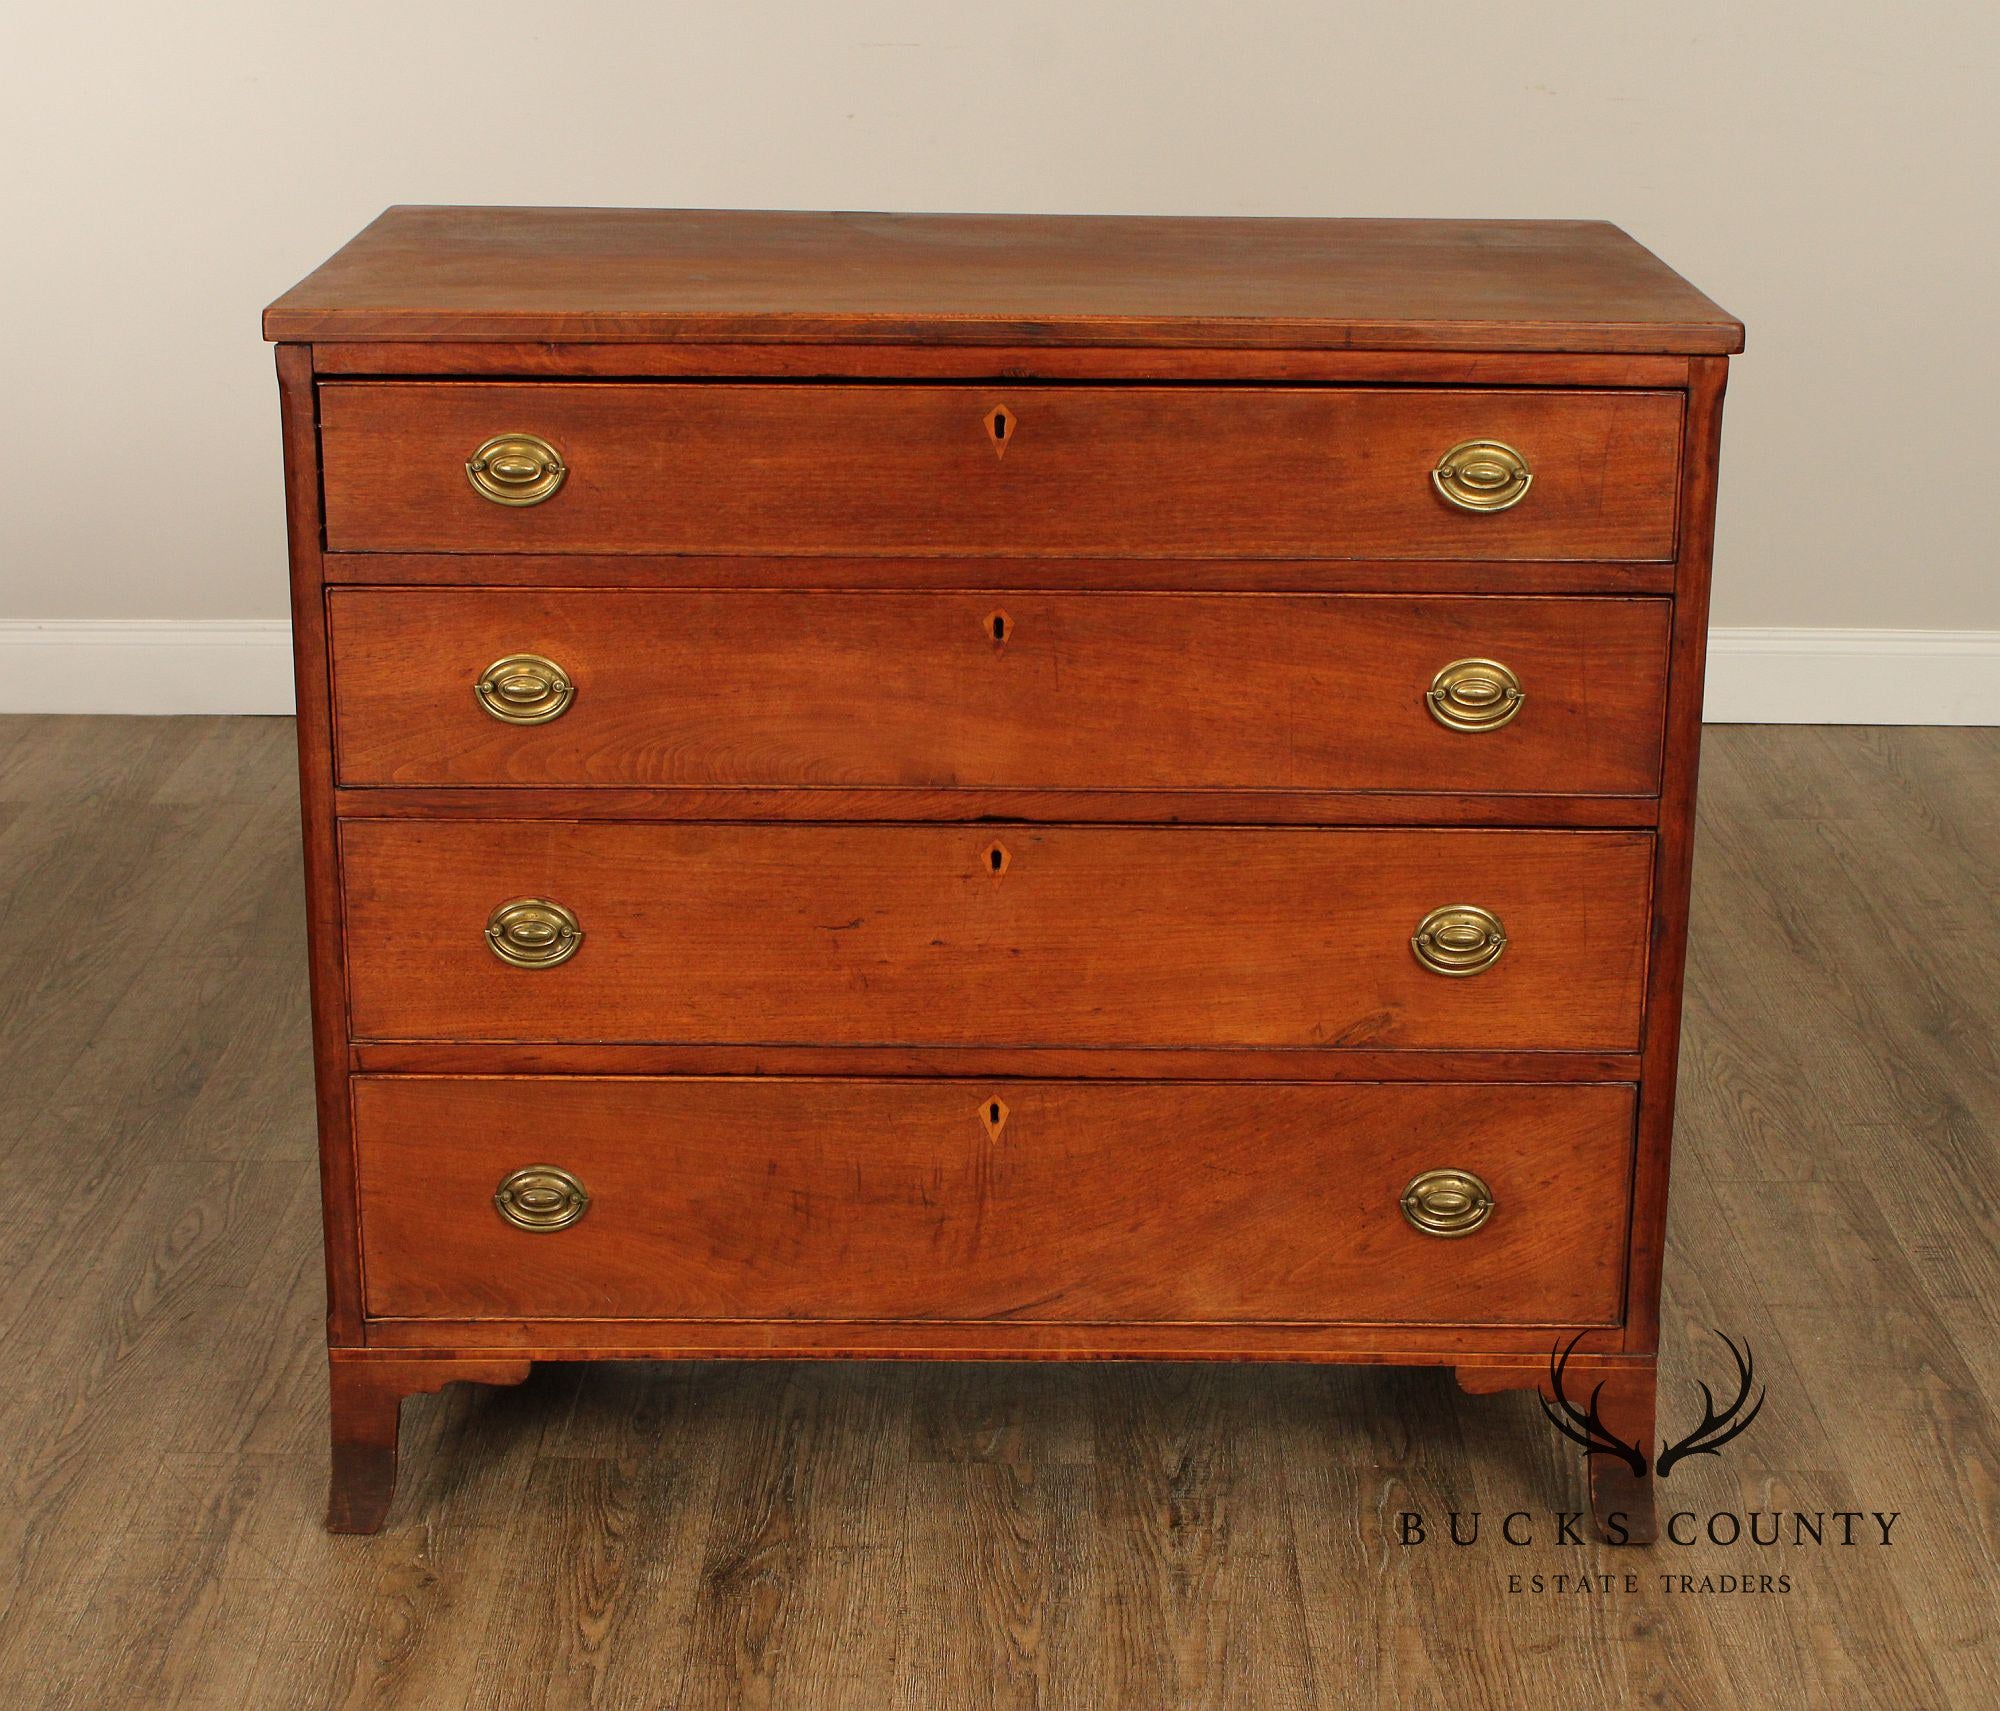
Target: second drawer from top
pixel 970 690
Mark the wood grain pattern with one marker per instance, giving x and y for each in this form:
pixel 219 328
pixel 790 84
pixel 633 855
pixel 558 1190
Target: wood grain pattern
pixel 952 572
pixel 312 674
pixel 696 361
pixel 903 804
pixel 603 1530
pixel 1673 875
pixel 1349 1063
pixel 769 1198
pixel 1153 471
pixel 1000 647
pixel 984 1340
pixel 596 275
pixel 972 691
pixel 968 935
pixel 365 1399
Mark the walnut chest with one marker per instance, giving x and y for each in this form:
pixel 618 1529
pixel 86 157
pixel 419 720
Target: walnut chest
pixel 994 788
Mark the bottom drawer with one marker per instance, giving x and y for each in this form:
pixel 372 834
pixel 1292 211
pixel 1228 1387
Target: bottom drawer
pixel 1066 1202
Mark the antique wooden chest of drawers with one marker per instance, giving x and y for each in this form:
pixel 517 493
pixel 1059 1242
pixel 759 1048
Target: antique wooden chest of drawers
pixel 995 788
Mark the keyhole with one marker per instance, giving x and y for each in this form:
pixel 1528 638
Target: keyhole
pixel 997 626
pixel 999 426
pixel 997 859
pixel 993 1117
pixel 994 860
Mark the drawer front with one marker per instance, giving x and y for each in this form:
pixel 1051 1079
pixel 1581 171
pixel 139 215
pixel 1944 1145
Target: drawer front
pixel 978 936
pixel 1161 691
pixel 1023 1201
pixel 1137 471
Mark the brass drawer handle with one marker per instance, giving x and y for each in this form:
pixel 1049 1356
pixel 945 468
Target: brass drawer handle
pixel 1458 940
pixel 1447 1203
pixel 530 933
pixel 1482 475
pixel 516 469
pixel 1475 695
pixel 524 689
pixel 541 1198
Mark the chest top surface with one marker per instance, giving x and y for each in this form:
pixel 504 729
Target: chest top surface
pixel 600 275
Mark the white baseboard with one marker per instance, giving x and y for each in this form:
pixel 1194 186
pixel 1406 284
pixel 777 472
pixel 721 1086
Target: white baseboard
pixel 1755 676
pixel 145 665
pixel 1853 677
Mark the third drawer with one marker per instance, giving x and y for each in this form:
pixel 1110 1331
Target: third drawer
pixel 1087 936
pixel 594 687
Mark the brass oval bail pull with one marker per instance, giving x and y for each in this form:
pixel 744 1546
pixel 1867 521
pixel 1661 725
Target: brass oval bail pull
pixel 516 469
pixel 525 689
pixel 1482 475
pixel 1459 940
pixel 1475 695
pixel 532 933
pixel 1447 1203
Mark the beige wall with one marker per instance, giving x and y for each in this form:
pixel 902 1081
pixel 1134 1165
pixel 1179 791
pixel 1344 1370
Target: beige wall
pixel 1824 171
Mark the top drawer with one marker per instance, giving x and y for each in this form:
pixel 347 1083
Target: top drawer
pixel 1127 471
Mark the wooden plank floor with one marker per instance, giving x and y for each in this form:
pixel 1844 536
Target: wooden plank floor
pixel 896 1538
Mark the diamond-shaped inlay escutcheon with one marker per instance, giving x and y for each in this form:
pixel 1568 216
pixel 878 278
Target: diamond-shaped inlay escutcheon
pixel 996 859
pixel 1002 425
pixel 993 1117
